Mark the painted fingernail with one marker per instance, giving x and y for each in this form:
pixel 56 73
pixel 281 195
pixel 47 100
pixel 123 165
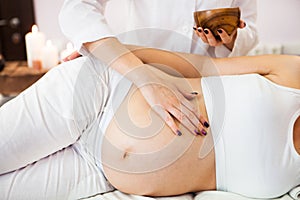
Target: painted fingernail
pixel 203 132
pixel 195 93
pixel 179 133
pixel 194 28
pixel 199 30
pixel 245 23
pixel 220 31
pixel 206 124
pixel 197 132
pixel 206 31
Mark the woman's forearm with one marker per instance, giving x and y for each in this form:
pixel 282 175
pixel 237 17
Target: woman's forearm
pixel 195 66
pixel 114 54
pixel 118 57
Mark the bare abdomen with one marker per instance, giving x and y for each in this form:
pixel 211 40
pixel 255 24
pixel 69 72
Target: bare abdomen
pixel 142 156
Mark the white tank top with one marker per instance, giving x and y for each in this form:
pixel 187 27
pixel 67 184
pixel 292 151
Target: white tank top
pixel 252 122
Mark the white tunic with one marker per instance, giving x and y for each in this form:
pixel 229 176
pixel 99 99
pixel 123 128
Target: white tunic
pixel 165 24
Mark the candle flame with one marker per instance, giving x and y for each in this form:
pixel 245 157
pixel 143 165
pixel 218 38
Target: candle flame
pixel 34 29
pixel 70 46
pixel 48 43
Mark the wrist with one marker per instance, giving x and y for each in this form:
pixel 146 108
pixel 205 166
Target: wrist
pixel 143 74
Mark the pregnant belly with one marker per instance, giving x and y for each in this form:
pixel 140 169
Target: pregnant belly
pixel 140 154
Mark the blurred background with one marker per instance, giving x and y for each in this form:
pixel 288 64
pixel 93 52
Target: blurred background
pixel 278 25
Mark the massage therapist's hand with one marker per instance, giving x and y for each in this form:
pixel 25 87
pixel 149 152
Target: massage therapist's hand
pixel 171 99
pixel 226 40
pixel 168 99
pixel 160 91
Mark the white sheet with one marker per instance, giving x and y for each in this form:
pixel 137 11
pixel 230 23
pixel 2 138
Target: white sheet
pixel 207 195
pixel 117 195
pixel 295 193
pixel 218 195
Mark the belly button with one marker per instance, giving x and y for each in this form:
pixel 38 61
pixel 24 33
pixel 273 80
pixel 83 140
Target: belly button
pixel 125 154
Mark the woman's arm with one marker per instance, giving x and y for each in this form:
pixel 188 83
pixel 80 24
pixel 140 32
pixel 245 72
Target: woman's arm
pixel 84 23
pixel 195 66
pixel 281 69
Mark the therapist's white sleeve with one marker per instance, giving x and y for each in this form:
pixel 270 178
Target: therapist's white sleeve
pixel 247 37
pixel 83 21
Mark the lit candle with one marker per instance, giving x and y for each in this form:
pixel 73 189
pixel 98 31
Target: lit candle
pixel 49 55
pixel 65 53
pixel 35 41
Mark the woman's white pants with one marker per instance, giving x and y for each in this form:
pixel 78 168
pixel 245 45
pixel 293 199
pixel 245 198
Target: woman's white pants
pixel 46 133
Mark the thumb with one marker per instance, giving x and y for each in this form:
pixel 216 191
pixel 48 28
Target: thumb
pixel 242 24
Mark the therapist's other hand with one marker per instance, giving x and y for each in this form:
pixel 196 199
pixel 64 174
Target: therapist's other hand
pixel 170 99
pixel 226 40
pixel 72 56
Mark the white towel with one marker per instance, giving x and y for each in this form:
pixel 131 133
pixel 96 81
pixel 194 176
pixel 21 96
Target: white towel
pixel 295 193
pixel 219 195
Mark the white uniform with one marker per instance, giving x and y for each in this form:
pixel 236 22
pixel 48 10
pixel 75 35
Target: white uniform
pixel 165 24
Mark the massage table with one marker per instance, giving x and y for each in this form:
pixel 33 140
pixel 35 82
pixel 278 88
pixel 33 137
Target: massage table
pixel 206 195
pixel 16 77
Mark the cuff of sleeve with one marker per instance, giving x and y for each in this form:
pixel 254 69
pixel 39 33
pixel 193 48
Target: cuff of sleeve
pixel 222 51
pixel 237 44
pixel 244 43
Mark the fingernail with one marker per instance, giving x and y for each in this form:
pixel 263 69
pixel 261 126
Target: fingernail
pixel 206 31
pixel 206 124
pixel 245 23
pixel 199 30
pixel 203 132
pixel 220 31
pixel 197 132
pixel 194 28
pixel 179 133
pixel 195 93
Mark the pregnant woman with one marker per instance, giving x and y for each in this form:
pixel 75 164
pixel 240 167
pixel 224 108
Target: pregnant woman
pixel 71 135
